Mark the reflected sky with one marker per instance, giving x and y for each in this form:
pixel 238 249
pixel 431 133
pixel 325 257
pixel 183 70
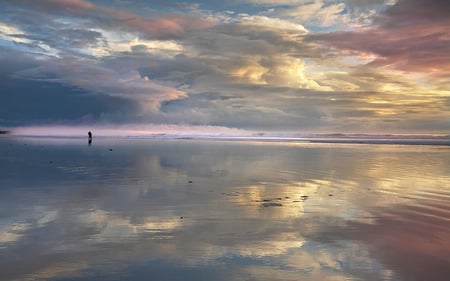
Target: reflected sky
pixel 213 210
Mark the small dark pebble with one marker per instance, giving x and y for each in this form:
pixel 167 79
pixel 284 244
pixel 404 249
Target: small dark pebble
pixel 181 218
pixel 190 181
pixel 330 194
pixel 304 197
pixel 110 149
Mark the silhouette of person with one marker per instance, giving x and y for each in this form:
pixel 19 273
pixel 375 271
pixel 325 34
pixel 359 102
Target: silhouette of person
pixel 89 138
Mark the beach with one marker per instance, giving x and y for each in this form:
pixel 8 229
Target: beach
pixel 187 209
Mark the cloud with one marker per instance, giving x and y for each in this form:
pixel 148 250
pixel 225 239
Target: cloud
pixel 126 83
pixel 324 13
pixel 273 23
pixel 409 36
pixel 11 33
pixel 263 68
pixel 314 13
pixel 184 71
pixel 277 71
pixel 76 89
pixel 110 18
pixel 357 3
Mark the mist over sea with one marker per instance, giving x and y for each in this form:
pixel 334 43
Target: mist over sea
pixel 140 131
pixel 225 207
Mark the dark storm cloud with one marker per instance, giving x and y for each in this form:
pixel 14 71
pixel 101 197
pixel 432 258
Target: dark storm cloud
pixel 43 101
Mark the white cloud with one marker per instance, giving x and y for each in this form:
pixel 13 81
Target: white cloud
pixel 15 38
pixel 11 233
pixel 8 32
pixel 316 12
pixel 326 13
pixel 119 42
pixel 273 23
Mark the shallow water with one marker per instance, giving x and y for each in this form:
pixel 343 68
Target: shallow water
pixel 215 210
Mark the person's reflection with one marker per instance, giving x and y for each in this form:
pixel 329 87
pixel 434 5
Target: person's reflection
pixel 89 142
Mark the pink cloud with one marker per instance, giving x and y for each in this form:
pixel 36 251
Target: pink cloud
pixel 167 25
pixel 71 6
pixel 163 26
pixel 410 36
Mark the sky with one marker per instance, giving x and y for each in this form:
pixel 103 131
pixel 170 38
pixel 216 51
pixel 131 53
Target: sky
pixel 314 66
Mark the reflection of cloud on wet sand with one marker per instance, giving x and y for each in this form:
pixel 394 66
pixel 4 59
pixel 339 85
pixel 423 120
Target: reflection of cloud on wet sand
pixel 78 241
pixel 412 243
pixel 409 240
pixel 259 212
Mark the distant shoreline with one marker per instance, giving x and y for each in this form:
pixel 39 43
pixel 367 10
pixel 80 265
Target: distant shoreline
pixel 342 139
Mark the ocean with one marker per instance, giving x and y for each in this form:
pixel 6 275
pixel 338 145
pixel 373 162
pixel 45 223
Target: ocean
pixel 220 209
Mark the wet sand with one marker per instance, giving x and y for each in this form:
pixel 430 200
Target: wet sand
pixel 142 209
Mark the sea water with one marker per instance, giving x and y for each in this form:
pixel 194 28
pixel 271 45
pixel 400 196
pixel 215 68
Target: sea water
pixel 146 209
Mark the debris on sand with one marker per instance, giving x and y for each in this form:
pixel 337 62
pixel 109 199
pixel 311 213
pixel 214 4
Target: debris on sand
pixel 268 202
pixel 271 204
